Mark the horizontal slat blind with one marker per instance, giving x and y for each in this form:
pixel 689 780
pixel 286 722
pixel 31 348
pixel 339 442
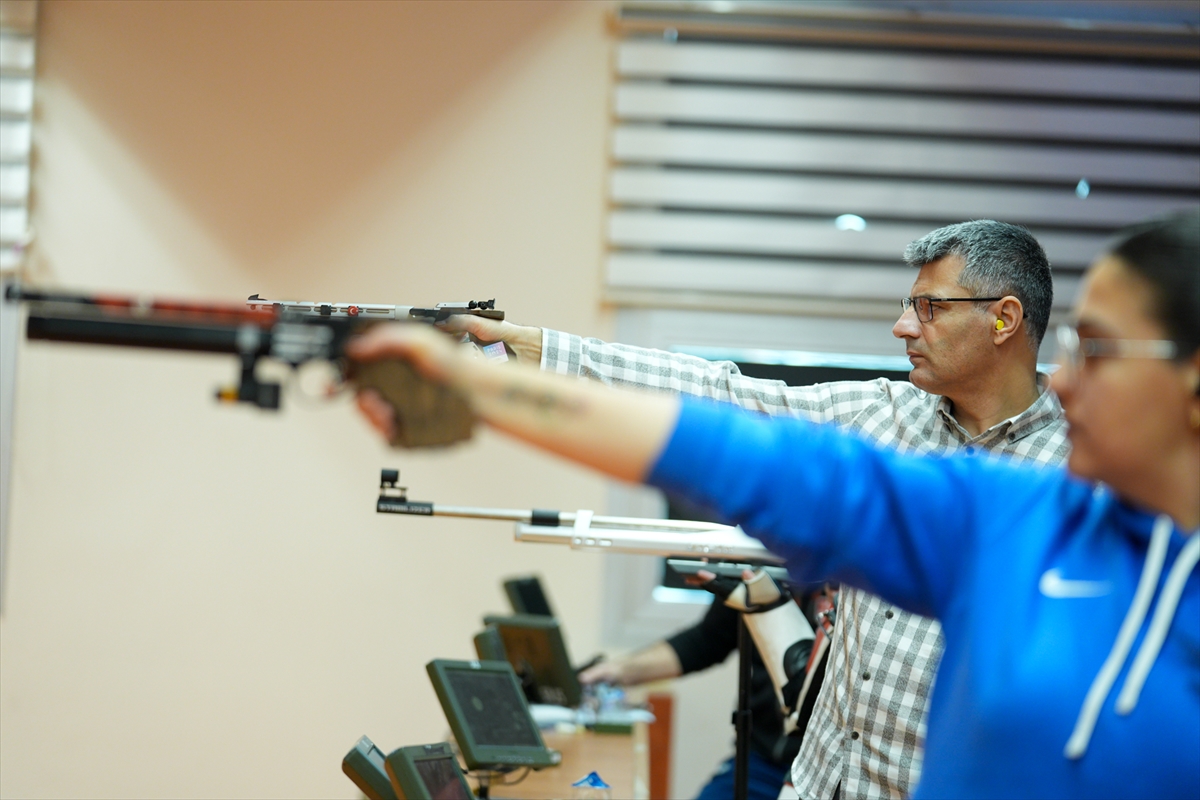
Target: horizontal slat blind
pixel 824 195
pixel 765 64
pixel 758 234
pixel 731 161
pixel 16 126
pixel 889 113
pixel 1000 161
pixel 1160 30
pixel 811 278
pixel 18 20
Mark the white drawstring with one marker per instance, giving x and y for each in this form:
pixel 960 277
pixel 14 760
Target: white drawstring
pixel 1107 676
pixel 1159 625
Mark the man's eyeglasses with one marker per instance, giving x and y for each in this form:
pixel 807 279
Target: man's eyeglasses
pixel 924 305
pixel 1073 351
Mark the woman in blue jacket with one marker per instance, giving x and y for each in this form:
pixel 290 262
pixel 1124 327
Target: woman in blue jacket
pixel 1071 617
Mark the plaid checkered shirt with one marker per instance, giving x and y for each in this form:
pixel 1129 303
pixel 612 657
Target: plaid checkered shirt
pixel 867 731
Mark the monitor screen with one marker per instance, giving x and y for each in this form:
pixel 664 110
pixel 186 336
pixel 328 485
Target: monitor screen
pixel 534 646
pixel 442 779
pixel 487 713
pixel 494 713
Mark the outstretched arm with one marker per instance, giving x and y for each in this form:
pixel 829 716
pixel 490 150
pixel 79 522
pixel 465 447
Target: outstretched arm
pixel 620 433
pixel 627 366
pixel 832 505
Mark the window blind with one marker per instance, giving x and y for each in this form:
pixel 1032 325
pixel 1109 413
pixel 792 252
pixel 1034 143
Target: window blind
pixel 17 25
pixel 17 46
pixel 786 171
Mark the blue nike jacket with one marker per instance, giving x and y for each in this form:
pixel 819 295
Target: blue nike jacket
pixel 1071 619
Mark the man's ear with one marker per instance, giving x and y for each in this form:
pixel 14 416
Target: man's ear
pixel 1008 317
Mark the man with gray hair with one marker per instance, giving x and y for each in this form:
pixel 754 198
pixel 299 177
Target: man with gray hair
pixel 971 326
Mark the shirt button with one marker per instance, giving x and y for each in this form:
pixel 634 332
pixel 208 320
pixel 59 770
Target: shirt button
pixel 889 614
pixel 866 676
pixel 854 735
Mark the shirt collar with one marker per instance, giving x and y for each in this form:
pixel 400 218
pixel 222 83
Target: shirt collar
pixel 1044 411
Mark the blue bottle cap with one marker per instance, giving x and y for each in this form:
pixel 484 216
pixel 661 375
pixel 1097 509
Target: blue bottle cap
pixel 591 781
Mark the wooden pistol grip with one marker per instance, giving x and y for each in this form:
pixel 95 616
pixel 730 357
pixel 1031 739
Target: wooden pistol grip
pixel 427 414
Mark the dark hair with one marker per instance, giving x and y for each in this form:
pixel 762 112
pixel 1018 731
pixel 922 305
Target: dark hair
pixel 1165 253
pixel 999 259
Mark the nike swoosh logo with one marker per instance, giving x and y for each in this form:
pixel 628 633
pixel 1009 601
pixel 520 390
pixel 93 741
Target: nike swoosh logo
pixel 1054 585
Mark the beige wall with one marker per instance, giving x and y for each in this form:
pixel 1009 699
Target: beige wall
pixel 201 601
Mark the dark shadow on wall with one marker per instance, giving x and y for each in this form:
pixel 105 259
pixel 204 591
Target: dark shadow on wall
pixel 259 116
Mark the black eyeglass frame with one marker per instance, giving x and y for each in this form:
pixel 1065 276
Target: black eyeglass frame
pixel 915 303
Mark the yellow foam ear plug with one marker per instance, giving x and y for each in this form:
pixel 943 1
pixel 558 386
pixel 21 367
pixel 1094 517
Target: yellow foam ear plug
pixel 999 324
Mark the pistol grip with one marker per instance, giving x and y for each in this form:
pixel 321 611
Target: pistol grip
pixel 427 414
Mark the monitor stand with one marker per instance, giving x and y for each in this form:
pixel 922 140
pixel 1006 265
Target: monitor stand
pixel 488 776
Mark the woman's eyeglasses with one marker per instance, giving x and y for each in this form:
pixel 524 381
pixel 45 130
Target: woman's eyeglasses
pixel 1073 351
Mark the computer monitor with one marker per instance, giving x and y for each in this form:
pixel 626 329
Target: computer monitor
pixel 427 772
pixel 489 646
pixel 534 645
pixel 526 596
pixel 487 713
pixel 367 767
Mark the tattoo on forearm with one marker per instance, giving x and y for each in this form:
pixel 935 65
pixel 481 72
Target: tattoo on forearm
pixel 544 401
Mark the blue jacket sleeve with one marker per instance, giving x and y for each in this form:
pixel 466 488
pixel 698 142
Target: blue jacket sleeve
pixel 836 507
